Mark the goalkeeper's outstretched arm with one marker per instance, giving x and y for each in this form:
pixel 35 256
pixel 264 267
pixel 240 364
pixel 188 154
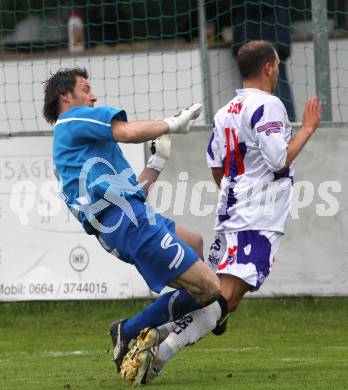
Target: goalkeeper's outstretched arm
pixel 141 131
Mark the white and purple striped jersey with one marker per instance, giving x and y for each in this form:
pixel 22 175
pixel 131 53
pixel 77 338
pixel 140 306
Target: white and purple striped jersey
pixel 249 141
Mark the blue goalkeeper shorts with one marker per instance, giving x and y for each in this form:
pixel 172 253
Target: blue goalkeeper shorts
pixel 149 243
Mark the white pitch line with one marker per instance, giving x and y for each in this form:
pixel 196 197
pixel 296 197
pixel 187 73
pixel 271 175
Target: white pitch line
pixel 231 349
pixel 256 348
pixel 45 354
pixel 336 347
pixel 5 356
pixel 301 360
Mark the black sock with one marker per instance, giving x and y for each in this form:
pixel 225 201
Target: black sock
pixel 223 305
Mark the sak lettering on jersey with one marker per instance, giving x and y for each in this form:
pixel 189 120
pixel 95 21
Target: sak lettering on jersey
pixel 235 108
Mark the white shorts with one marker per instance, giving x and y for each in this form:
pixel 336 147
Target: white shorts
pixel 249 255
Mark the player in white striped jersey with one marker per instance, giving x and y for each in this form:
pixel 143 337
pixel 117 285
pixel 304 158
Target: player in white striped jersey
pixel 250 152
pixel 249 142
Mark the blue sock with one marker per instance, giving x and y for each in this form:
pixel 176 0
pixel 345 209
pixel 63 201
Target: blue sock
pixel 168 307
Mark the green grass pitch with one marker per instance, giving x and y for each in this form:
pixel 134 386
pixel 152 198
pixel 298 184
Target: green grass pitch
pixel 276 344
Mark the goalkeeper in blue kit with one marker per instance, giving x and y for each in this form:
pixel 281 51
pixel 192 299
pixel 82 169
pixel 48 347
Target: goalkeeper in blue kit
pixel 103 193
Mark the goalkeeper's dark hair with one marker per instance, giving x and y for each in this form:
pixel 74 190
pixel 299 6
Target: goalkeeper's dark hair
pixel 59 83
pixel 252 57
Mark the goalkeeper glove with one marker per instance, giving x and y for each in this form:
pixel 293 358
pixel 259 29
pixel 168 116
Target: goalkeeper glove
pixel 179 123
pixel 160 149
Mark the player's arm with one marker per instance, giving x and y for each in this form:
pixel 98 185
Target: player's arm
pixel 147 177
pixel 270 131
pixel 214 157
pixel 310 122
pixel 141 131
pixel 160 152
pixel 218 174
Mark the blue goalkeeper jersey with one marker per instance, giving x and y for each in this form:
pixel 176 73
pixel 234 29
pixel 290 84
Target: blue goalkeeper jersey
pixel 92 172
